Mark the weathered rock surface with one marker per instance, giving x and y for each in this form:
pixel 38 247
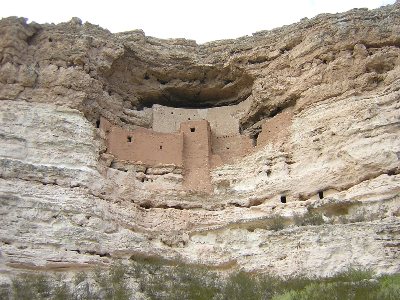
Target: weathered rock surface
pixel 67 204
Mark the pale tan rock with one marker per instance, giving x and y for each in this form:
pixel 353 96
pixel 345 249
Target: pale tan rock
pixel 161 170
pixel 65 202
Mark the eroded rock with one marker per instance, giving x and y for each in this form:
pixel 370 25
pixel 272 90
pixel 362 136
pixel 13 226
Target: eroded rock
pixel 317 192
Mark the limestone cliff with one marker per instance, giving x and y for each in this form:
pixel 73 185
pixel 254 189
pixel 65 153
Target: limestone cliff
pixel 322 103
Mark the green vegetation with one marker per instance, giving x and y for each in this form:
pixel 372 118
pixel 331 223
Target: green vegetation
pixel 112 284
pixel 161 279
pixel 172 281
pixel 29 286
pixel 277 223
pixel 106 284
pixel 309 218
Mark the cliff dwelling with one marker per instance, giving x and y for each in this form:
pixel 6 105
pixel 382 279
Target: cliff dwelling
pixel 275 153
pixel 191 140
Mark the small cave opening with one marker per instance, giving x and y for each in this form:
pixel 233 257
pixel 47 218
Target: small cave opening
pixel 283 199
pixel 105 254
pixel 145 205
pixel 162 82
pixel 178 207
pixel 129 139
pixel 98 123
pixel 321 195
pixel 160 147
pixel 228 81
pixel 276 111
pixel 192 129
pixel 254 138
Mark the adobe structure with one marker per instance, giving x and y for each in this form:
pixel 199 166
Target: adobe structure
pixel 194 140
pixel 276 153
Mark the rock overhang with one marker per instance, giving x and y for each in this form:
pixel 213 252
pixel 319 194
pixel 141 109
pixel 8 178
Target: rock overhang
pixel 180 85
pixel 342 142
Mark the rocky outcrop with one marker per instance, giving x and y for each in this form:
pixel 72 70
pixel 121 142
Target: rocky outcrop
pixel 319 195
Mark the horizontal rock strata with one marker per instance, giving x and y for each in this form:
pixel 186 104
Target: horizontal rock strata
pixel 319 193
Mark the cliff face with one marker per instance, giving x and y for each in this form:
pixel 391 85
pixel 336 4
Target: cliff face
pixel 318 195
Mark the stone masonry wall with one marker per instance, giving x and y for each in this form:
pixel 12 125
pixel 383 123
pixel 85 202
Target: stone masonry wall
pixel 276 129
pixel 196 153
pixel 193 145
pixel 65 208
pixel 223 120
pixel 226 148
pixel 143 145
pixel 190 148
pixel 169 119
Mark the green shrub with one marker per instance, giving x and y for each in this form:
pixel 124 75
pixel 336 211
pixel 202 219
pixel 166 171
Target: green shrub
pixel 79 277
pixel 343 220
pixel 174 280
pixel 277 223
pixel 170 280
pixel 309 218
pixel 270 285
pixel 389 288
pixel 352 284
pixel 61 292
pixel 193 282
pixel 111 282
pixel 242 286
pixel 290 295
pixel 291 283
pixel 351 275
pixel 149 264
pixel 5 293
pixel 31 286
pixel 313 291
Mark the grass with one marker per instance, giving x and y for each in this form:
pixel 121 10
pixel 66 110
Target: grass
pixel 189 282
pixel 160 279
